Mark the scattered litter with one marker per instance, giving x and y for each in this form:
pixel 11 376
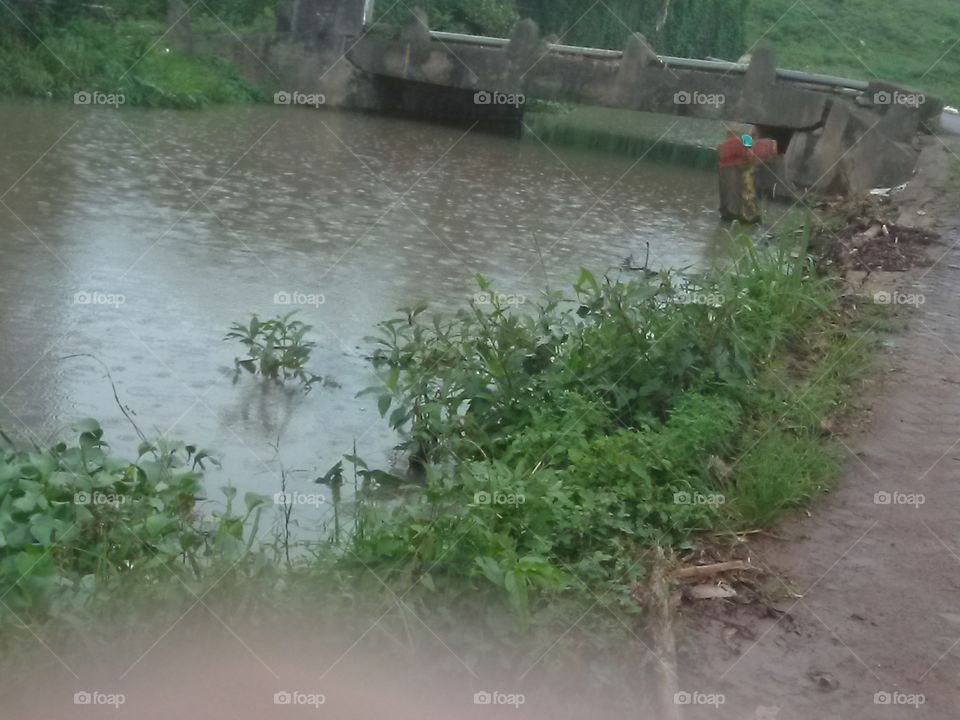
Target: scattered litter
pixel 869 239
pixel 887 192
pixel 698 571
pixel 709 591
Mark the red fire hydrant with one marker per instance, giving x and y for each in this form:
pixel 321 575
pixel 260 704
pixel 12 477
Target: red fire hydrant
pixel 739 158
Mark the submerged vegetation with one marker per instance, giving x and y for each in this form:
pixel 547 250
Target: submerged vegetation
pixel 276 349
pixel 558 445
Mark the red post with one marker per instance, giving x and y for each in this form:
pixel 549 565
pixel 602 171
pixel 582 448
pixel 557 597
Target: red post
pixel 738 190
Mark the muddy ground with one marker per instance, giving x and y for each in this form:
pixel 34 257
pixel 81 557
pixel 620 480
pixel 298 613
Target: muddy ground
pixel 863 615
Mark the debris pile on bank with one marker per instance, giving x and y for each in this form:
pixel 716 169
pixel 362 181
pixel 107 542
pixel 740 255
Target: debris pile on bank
pixel 865 237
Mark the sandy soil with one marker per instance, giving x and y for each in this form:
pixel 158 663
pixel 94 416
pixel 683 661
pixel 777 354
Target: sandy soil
pixel 868 621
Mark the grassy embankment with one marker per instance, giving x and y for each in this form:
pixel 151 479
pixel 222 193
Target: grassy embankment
pixel 560 444
pixel 122 58
pixel 915 44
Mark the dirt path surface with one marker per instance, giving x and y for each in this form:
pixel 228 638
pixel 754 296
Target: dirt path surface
pixel 873 630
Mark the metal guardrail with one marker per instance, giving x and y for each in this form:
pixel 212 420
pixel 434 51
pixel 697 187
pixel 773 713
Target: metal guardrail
pixel 719 66
pixel 368 12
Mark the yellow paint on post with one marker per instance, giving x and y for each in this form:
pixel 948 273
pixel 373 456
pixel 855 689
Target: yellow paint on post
pixel 750 212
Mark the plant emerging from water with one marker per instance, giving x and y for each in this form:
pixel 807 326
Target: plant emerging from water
pixel 276 348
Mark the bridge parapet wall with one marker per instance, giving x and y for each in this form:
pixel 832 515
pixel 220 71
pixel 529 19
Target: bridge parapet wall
pixel 836 140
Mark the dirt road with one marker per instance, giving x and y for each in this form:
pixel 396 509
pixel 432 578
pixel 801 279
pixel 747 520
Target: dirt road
pixel 874 631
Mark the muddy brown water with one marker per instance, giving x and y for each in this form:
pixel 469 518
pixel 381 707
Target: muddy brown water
pixel 138 236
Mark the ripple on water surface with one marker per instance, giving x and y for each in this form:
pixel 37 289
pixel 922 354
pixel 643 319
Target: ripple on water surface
pixel 198 219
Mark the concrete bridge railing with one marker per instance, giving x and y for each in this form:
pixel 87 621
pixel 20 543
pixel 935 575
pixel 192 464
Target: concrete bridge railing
pixel 835 135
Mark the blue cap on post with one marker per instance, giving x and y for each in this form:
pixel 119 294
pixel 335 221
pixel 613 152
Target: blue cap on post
pixel 747 140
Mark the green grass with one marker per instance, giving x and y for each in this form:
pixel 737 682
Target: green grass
pixel 124 58
pixel 602 409
pixel 659 138
pixel 912 43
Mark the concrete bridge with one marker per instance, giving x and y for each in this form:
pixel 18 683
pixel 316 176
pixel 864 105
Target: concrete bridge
pixel 835 135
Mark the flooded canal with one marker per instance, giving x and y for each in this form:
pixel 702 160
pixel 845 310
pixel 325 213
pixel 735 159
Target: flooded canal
pixel 139 236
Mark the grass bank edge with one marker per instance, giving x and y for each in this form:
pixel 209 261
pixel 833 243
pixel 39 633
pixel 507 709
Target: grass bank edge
pixel 759 438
